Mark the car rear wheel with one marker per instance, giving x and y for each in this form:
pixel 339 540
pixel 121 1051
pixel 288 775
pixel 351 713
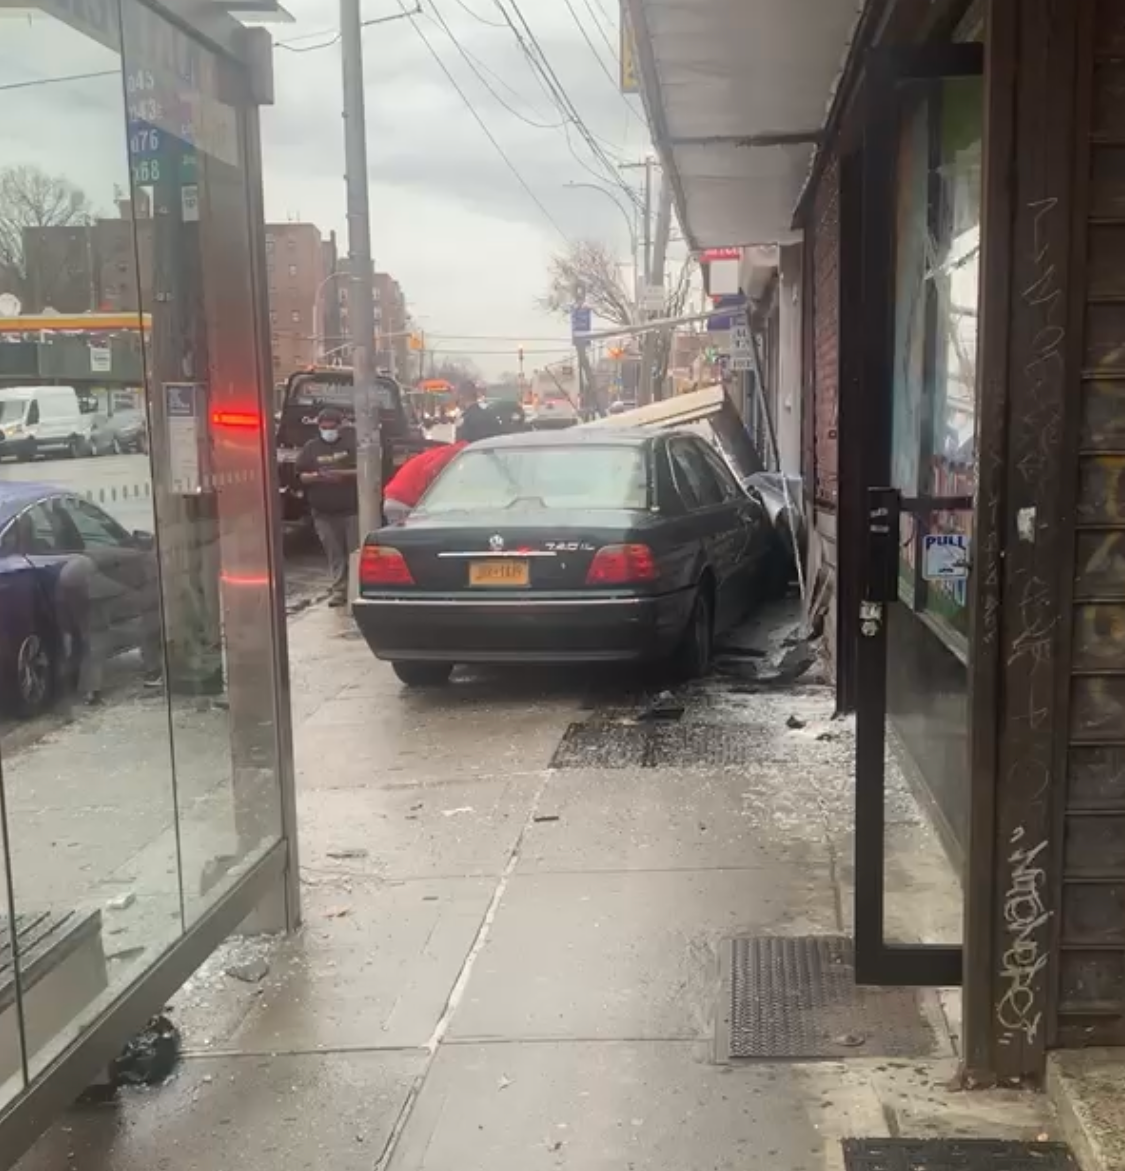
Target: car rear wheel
pixel 692 658
pixel 423 674
pixel 35 675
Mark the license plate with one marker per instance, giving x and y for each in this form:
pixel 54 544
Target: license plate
pixel 499 573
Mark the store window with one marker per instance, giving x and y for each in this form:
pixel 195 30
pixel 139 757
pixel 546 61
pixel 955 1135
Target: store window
pixel 935 389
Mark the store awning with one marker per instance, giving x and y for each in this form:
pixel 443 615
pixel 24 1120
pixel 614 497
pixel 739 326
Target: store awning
pixel 737 93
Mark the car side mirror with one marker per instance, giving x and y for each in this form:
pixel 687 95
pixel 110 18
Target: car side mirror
pixel 143 540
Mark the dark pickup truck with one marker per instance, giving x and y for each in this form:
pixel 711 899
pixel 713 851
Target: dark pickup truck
pixel 306 393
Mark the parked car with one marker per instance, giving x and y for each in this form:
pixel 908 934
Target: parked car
pixel 587 545
pixel 69 573
pixel 41 420
pixel 554 410
pixel 121 432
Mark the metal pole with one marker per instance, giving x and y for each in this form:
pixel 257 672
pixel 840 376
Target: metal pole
pixel 361 307
pixel 647 261
pixel 655 280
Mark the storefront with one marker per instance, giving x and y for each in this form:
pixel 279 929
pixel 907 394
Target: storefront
pixel 145 778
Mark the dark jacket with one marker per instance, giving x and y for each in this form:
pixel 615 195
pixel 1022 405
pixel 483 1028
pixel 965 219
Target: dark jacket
pixel 477 422
pixel 338 497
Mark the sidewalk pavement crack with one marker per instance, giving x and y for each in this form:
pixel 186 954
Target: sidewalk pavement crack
pixel 464 975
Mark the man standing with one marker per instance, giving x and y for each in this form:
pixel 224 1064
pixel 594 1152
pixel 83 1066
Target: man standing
pixel 327 467
pixel 477 421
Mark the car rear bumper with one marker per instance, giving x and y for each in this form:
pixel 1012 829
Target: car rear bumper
pixel 471 629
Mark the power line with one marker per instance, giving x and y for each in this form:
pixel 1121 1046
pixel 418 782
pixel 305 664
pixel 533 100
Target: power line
pixel 476 15
pixel 483 125
pixel 310 48
pixel 469 60
pixel 614 52
pixel 562 99
pixel 590 45
pixel 58 80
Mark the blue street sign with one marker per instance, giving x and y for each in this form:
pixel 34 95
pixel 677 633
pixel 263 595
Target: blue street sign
pixel 736 303
pixel 580 319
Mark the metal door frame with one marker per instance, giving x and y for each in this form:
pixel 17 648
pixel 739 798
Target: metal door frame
pixel 876 570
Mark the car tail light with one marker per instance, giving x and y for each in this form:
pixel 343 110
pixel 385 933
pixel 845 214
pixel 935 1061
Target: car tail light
pixel 622 565
pixel 381 566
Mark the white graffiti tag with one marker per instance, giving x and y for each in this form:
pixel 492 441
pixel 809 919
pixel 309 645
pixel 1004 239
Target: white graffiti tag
pixel 1024 914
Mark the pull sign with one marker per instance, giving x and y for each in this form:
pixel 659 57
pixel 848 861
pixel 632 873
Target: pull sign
pixel 945 556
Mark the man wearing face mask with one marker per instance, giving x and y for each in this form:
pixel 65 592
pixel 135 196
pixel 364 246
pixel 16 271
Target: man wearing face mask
pixel 327 467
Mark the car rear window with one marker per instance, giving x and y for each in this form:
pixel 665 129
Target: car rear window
pixel 541 477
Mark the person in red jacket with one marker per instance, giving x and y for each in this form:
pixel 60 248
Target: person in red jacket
pixel 402 494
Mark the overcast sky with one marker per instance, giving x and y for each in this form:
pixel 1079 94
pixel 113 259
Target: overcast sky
pixel 449 219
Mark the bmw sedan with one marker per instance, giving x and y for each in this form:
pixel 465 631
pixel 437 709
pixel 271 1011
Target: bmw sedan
pixel 579 546
pixel 74 586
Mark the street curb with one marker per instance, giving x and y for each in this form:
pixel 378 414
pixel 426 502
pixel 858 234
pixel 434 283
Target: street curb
pixel 1074 1090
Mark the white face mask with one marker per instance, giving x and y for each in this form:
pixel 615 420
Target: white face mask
pixel 329 434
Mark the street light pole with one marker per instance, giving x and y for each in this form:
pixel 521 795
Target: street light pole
pixel 361 306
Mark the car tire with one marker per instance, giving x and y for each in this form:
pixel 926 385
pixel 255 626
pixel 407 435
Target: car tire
pixel 692 658
pixel 423 674
pixel 28 454
pixel 34 670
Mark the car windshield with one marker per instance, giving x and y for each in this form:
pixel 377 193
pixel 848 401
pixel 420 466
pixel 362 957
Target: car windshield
pixel 12 409
pixel 541 477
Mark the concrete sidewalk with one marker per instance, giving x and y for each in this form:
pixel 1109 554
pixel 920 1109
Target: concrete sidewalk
pixel 506 965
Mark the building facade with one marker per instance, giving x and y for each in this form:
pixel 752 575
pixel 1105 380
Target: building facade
pixel 956 192
pixel 159 816
pixel 299 287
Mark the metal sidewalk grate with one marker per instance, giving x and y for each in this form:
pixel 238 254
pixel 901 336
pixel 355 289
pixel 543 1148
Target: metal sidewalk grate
pixel 907 1154
pixel 796 997
pixel 655 744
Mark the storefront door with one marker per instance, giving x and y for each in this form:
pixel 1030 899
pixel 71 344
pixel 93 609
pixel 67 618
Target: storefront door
pixel 914 200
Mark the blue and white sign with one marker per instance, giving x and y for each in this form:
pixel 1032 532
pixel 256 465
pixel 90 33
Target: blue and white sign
pixel 183 408
pixel 945 556
pixel 736 304
pixel 580 319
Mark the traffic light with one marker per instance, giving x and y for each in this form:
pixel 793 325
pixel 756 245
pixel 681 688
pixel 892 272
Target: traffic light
pixel 417 342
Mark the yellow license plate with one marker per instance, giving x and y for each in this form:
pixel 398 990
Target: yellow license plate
pixel 499 573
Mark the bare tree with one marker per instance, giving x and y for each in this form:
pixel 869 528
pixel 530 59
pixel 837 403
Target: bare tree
pixel 31 198
pixel 590 266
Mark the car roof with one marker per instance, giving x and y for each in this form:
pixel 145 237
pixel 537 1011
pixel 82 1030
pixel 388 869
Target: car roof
pixel 568 437
pixel 16 495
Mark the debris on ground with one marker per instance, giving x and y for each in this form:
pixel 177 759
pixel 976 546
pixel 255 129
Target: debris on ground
pixel 250 972
pixel 504 1082
pixel 664 706
pixel 542 817
pixel 796 722
pixel 121 902
pixel 151 1056
pixel 337 912
pixel 454 812
pixel 351 852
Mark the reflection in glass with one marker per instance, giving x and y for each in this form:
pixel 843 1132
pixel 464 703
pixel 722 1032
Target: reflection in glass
pixel 12 1060
pixel 186 144
pixel 88 781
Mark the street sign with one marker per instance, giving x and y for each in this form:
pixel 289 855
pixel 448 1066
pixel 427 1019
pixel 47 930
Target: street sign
pixel 723 322
pixel 101 359
pixel 741 347
pixel 580 319
pixel 652 299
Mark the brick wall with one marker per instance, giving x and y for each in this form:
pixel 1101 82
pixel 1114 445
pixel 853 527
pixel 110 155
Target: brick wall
pixel 825 335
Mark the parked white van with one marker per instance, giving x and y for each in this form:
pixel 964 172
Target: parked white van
pixel 39 420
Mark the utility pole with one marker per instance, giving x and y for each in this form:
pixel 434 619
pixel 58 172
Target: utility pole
pixel 361 307
pixel 656 281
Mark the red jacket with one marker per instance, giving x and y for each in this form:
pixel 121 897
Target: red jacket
pixel 419 472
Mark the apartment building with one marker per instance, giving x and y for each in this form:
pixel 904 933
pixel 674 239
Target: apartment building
pixel 298 288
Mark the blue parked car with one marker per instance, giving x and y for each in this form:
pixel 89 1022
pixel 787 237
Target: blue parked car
pixel 75 589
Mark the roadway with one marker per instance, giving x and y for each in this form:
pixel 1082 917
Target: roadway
pixel 121 484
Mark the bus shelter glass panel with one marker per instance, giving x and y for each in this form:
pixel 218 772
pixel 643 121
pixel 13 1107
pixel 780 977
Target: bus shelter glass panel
pixel 187 146
pixel 88 782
